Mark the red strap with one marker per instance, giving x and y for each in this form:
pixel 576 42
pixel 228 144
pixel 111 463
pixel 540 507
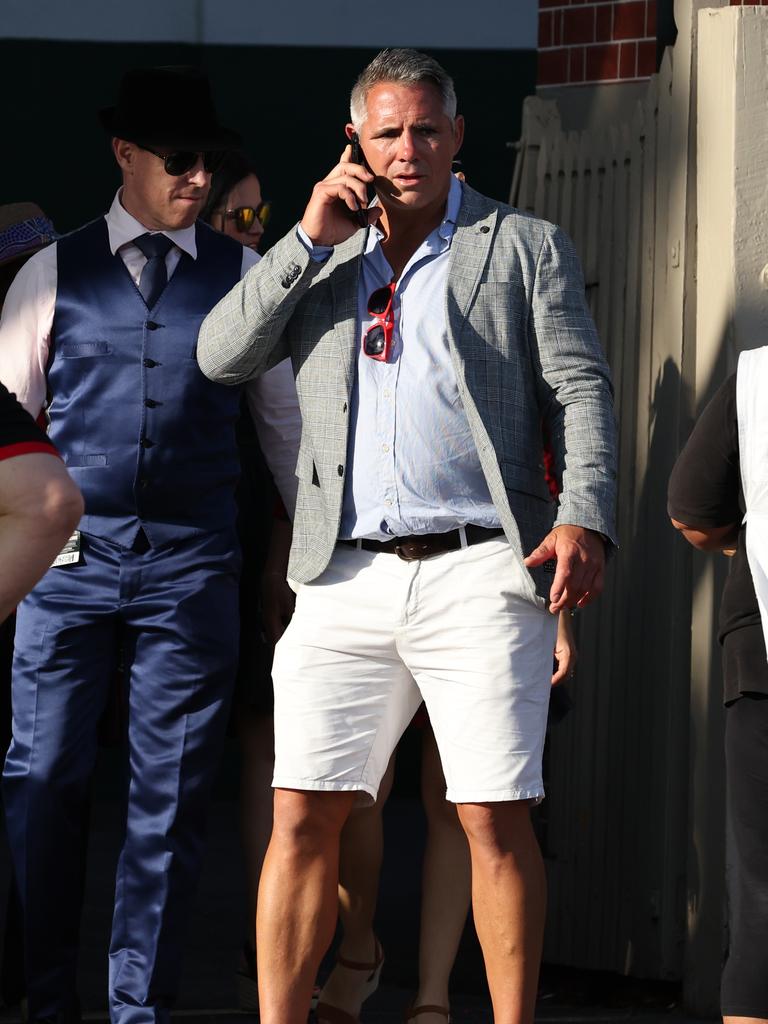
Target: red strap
pixel 10 451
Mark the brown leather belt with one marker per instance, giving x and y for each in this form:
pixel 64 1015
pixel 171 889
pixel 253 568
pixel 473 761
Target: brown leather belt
pixel 411 549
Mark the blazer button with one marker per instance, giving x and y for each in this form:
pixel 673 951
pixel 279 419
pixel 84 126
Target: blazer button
pixel 151 403
pixel 341 470
pixel 149 363
pixel 146 443
pixel 151 325
pixel 143 483
pixel 484 229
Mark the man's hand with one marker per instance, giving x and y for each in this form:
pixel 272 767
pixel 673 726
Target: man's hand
pixel 580 558
pixel 277 598
pixel 329 216
pixel 278 602
pixel 565 649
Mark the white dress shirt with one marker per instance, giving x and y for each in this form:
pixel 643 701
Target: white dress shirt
pixel 27 323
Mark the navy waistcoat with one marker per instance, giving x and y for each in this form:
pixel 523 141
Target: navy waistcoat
pixel 148 438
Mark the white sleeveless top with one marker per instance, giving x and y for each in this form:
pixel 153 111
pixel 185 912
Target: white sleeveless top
pixel 752 416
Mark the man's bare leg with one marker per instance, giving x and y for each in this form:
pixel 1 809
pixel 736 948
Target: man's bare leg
pixel 509 903
pixel 298 900
pixel 361 852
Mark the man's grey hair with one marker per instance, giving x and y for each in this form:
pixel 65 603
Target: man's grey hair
pixel 407 67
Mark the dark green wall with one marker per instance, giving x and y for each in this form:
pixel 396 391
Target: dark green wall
pixel 289 103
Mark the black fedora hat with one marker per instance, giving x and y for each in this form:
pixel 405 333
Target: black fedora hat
pixel 167 106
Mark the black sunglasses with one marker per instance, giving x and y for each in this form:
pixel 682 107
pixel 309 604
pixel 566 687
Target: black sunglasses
pixel 181 161
pixel 244 216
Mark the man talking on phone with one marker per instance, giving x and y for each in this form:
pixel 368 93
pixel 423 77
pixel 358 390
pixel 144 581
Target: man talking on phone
pixel 431 348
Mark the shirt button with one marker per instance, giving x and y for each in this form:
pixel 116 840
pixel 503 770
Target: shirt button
pixel 385 447
pixel 149 363
pixel 388 502
pixel 387 393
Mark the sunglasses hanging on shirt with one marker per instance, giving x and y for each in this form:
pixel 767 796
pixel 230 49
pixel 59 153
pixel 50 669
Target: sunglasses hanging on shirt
pixel 377 340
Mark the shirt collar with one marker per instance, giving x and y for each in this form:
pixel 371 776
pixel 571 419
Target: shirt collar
pixel 123 228
pixel 446 227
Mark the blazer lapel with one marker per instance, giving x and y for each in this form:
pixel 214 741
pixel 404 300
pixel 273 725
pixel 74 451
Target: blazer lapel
pixel 470 251
pixel 344 280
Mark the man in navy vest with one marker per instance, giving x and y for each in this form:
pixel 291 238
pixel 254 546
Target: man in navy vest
pixel 106 321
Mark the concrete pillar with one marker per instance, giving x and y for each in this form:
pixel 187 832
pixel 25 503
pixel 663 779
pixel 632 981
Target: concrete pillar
pixel 731 315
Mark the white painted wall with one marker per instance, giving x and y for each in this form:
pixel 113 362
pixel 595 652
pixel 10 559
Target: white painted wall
pixel 732 271
pixel 429 24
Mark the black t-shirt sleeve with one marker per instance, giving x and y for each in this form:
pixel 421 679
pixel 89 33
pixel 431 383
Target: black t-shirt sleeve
pixel 704 485
pixel 19 434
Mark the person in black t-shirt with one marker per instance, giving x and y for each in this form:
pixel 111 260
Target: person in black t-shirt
pixel 706 504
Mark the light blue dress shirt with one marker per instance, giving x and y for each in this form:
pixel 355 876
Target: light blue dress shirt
pixel 412 464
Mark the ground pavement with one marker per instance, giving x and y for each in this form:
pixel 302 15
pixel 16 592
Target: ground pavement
pixel 219 920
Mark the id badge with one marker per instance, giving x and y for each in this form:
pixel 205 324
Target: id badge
pixel 70 553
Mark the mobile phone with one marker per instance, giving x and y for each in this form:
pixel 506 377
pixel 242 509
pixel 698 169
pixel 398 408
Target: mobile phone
pixel 357 158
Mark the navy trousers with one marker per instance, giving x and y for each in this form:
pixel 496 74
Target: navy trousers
pixel 175 610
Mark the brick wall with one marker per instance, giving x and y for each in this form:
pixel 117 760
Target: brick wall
pixel 604 41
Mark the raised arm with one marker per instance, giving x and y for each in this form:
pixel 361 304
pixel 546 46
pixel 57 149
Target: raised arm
pixel 245 333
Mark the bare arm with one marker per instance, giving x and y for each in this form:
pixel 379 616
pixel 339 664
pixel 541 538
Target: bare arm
pixel 39 507
pixel 709 538
pixel 277 597
pixel 565 649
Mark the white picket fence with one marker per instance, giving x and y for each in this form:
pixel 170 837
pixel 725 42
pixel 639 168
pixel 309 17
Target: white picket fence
pixel 614 824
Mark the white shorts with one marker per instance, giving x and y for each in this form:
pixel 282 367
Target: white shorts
pixel 374 635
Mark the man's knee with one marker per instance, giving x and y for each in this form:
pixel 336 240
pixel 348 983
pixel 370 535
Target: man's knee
pixel 304 818
pixel 496 827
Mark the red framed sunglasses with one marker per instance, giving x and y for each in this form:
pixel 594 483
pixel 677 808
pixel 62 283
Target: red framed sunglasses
pixel 377 340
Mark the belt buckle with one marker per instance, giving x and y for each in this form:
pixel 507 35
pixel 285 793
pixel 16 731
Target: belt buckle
pixel 412 551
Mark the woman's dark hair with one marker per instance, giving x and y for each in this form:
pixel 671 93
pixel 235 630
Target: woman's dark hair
pixel 235 167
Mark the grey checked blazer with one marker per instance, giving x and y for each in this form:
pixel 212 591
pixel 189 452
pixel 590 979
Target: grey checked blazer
pixel 523 345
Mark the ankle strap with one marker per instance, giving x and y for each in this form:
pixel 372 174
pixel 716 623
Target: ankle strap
pixel 358 965
pixel 415 1011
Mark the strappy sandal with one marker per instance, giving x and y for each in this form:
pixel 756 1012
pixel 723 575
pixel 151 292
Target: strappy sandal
pixel 327 1014
pixel 414 1011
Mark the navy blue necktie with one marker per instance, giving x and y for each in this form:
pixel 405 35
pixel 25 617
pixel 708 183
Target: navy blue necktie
pixel 154 276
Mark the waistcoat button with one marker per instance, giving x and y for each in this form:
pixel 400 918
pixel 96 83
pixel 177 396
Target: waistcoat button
pixel 149 363
pixel 341 470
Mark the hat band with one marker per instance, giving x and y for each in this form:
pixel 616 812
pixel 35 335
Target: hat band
pixel 29 234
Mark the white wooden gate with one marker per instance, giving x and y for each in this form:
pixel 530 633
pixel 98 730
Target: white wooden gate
pixel 615 822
